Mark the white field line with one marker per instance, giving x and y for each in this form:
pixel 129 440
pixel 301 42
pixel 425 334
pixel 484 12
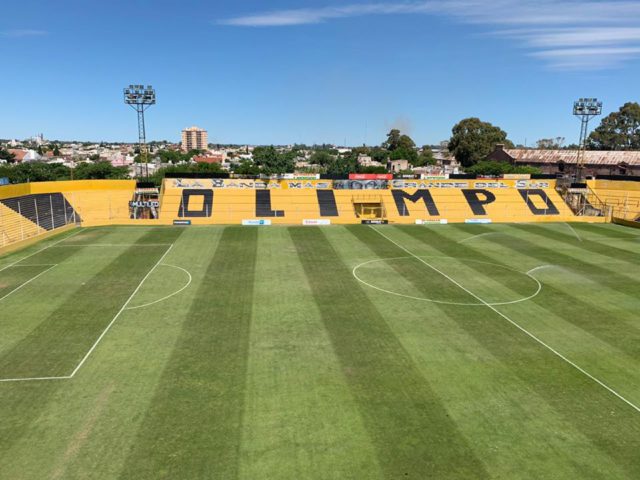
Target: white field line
pixel 42 249
pixel 443 302
pixel 170 295
pixel 535 269
pixel 35 265
pixel 573 230
pixel 522 329
pixel 26 283
pixel 84 359
pixel 477 236
pixel 31 379
pixel 114 245
pixel 104 332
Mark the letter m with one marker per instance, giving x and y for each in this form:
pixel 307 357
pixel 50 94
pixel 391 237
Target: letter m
pixel 399 196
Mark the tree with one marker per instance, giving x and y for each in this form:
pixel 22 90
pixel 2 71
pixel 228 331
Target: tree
pixel 400 147
pixel 171 156
pixel 272 162
pixel 379 155
pixel 396 140
pixel 550 143
pixel 618 131
pixel 472 140
pixel 99 171
pixel 247 168
pixel 321 157
pixel 56 151
pixel 343 165
pixel 404 153
pixel 10 157
pixel 425 158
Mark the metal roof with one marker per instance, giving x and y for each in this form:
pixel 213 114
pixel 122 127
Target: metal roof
pixel 591 157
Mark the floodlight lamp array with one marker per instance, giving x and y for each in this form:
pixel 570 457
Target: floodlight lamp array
pixel 139 95
pixel 587 106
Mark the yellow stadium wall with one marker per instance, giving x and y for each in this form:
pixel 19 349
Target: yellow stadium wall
pixel 291 202
pixel 106 202
pixel 622 196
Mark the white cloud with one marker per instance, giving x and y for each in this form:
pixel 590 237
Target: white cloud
pixel 23 33
pixel 546 27
pixel 305 16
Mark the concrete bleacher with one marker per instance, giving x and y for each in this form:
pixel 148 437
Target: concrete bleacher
pixel 206 202
pixel 28 210
pixel 33 209
pixel 15 228
pixel 46 210
pixel 623 197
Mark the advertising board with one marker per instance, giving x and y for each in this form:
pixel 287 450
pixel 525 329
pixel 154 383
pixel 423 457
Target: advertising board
pixel 370 176
pixel 322 221
pixel 255 222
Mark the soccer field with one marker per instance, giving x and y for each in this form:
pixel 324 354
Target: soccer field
pixel 364 352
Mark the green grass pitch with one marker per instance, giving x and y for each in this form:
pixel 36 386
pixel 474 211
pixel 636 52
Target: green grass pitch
pixel 441 352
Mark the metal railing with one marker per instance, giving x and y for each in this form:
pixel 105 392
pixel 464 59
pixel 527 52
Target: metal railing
pixel 33 215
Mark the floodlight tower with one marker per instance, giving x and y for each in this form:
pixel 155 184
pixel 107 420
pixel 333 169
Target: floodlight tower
pixel 140 98
pixel 585 109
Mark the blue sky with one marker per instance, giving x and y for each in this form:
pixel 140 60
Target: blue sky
pixel 313 71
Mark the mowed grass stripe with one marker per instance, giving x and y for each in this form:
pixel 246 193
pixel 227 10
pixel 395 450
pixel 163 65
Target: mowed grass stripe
pixel 610 424
pixel 606 230
pixel 587 315
pixel 23 402
pixel 587 245
pixel 58 343
pixel 131 358
pixel 433 284
pixel 548 255
pixel 24 310
pixel 406 421
pixel 300 420
pixel 193 426
pixel 509 426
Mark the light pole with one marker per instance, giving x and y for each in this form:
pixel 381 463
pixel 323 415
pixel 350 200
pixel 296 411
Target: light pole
pixel 584 108
pixel 140 98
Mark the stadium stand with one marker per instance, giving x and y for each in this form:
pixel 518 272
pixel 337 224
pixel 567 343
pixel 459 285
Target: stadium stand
pixel 14 227
pixel 46 210
pixel 623 197
pixel 203 201
pixel 29 210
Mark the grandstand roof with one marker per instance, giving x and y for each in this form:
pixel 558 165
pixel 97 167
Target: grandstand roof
pixel 522 155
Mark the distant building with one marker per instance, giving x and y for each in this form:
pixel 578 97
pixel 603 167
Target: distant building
pixel 367 161
pixel 596 162
pixel 194 138
pixel 396 166
pixel 21 155
pixel 211 157
pixel 18 155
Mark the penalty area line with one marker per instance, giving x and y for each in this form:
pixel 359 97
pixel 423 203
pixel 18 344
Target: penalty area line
pixel 122 309
pixel 104 332
pixel 171 294
pixel 522 329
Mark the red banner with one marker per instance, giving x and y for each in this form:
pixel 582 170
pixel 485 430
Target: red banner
pixel 370 176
